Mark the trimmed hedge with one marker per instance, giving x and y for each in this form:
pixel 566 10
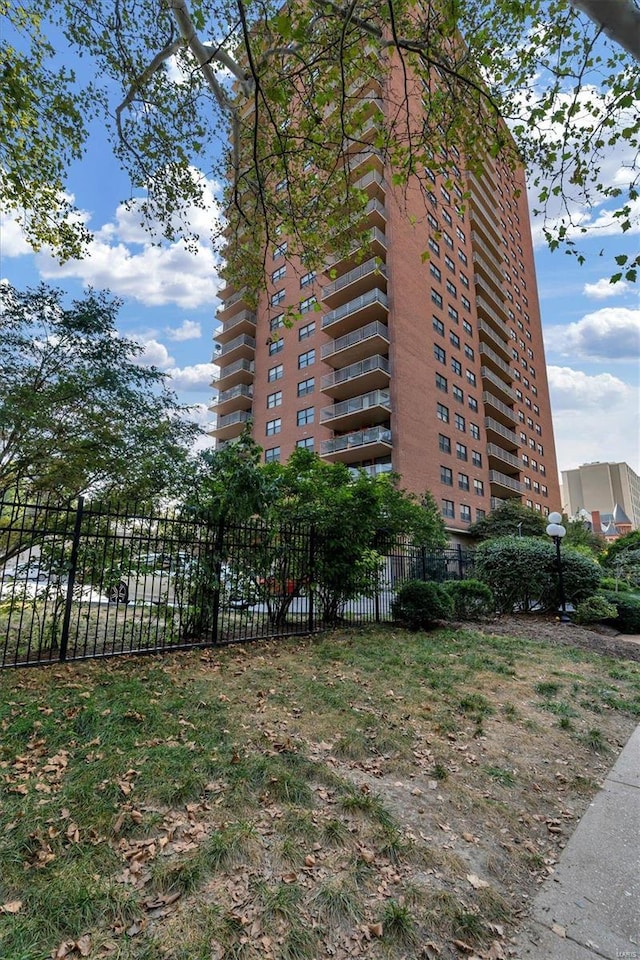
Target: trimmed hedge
pixel 594 609
pixel 471 599
pixel 419 604
pixel 628 605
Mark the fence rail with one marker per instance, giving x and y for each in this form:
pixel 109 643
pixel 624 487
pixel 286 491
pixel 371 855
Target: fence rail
pixel 87 580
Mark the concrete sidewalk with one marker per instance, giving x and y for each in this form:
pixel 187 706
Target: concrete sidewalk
pixel 590 907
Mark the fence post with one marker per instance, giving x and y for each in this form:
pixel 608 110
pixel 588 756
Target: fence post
pixel 71 580
pixel 215 613
pixel 460 567
pixel 310 586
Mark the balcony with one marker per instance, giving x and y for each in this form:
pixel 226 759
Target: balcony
pixel 375 243
pixel 501 482
pixel 365 308
pixel 491 357
pixel 495 452
pixel 231 425
pixel 243 322
pixel 368 340
pixel 483 215
pixel 373 183
pixel 503 412
pixel 367 409
pixel 489 274
pixel 492 256
pixel 239 397
pixel 367 375
pixel 241 347
pixel 233 304
pixel 375 214
pixel 370 156
pixel 482 306
pixel 492 426
pixel 356 282
pixel 241 371
pixel 499 342
pixel 496 300
pixel 498 384
pixel 352 447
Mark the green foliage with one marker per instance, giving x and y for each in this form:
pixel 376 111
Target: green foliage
pixel 78 413
pixel 630 541
pixel 522 573
pixel 580 537
pixel 628 606
pixel 471 599
pixel 622 558
pixel 287 166
pixel 420 604
pixel 511 518
pixel 611 583
pixel 594 609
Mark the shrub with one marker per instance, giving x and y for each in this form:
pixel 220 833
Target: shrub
pixel 522 573
pixel 419 604
pixel 628 604
pixel 610 583
pixel 471 599
pixel 594 609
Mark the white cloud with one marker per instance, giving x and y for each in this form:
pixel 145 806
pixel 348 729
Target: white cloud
pixel 195 377
pixel 155 354
pixel 612 333
pixel 188 330
pixel 595 418
pixel 604 289
pixel 13 241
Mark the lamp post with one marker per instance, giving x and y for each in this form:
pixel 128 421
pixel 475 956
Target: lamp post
pixel 556 531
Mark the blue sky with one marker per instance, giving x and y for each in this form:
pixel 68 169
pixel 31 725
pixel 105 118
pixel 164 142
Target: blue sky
pixel 592 329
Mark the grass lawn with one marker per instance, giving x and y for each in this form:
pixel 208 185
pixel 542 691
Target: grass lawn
pixel 369 793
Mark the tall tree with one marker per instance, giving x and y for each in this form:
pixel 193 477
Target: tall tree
pixel 202 85
pixel 78 412
pixel 511 518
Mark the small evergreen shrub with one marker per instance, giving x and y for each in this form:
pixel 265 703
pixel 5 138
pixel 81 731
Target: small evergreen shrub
pixel 419 604
pixel 618 586
pixel 471 599
pixel 628 604
pixel 594 609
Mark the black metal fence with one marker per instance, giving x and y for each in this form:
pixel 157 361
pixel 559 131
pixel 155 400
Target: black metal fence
pixel 86 580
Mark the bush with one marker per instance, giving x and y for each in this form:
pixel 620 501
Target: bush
pixel 594 609
pixel 522 573
pixel 418 604
pixel 471 599
pixel 628 604
pixel 618 586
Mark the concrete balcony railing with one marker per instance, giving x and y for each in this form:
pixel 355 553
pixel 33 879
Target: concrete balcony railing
pixel 359 443
pixel 241 395
pixel 498 383
pixel 489 400
pixel 371 373
pixel 357 345
pixel 491 355
pixel 493 450
pixel 493 256
pixel 240 371
pixel 496 300
pixel 499 341
pixel 242 344
pixel 369 268
pixel 371 179
pixel 243 322
pixel 492 317
pixel 375 241
pixel 376 404
pixel 231 425
pixel 502 431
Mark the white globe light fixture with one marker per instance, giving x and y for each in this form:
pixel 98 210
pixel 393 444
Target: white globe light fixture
pixel 556 531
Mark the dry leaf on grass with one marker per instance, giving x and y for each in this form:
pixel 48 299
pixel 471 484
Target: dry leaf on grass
pixel 13 906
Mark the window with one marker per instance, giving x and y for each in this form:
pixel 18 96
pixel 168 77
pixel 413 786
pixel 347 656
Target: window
pixel 463 481
pixel 447 239
pixel 446 216
pixel 465 303
pixel 461 451
pixel 307 279
pixel 306 444
pixel 453 313
pixel 455 339
pixel 441 383
pixel 458 394
pixel 306 386
pixel 280 250
pixel 469 351
pixel 272 455
pixel 306 305
pixel 439 354
pixel 435 271
pixel 442 412
pixel 446 476
pixel 465 513
pixel 279 273
pixel 446 196
pixel 448 508
pixel 436 298
pixel 274 399
pixel 460 422
pixel 473 404
pixel 304 416
pixel 444 443
pixel 307 330
pixel 306 359
pixel 274 426
pixel 462 256
pixel 276 322
pixel 438 326
pixel 471 378
pixel 480 514
pixel 456 366
pixel 478 486
pixel 451 289
pixel 275 346
pixel 434 245
pixel 275 373
pixel 449 263
pixel 464 280
pixel 277 298
pixel 476 458
pixel 466 326
pixel 431 220
pixel 460 235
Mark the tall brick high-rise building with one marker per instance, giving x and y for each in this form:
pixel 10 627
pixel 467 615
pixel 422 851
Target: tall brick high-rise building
pixel 433 368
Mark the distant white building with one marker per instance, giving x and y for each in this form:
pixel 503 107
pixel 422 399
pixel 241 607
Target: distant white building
pixel 607 494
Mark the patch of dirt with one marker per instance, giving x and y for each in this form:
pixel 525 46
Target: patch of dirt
pixel 600 639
